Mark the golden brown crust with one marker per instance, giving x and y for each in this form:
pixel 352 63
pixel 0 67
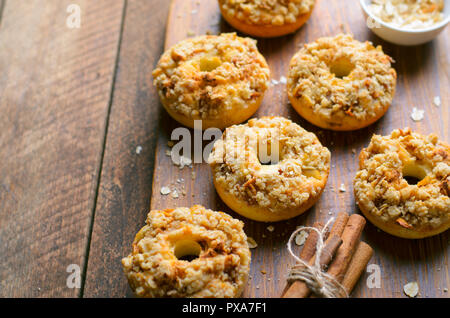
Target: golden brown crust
pixel 222 266
pixel 266 18
pixel 340 83
pixel 269 192
pixel 388 200
pixel 220 80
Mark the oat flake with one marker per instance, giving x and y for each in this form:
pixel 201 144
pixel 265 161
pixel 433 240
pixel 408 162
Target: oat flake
pixel 417 114
pixel 251 242
pixel 165 190
pixel 411 289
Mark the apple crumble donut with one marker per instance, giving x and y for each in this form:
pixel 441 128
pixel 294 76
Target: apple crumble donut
pixel 158 265
pixel 388 200
pixel 269 169
pixel 340 83
pixel 219 80
pixel 266 18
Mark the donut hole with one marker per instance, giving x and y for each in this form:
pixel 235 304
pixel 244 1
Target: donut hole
pixel 413 172
pixel 209 63
pixel 187 250
pixel 342 67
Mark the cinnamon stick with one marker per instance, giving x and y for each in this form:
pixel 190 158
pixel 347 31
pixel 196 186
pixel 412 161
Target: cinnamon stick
pixel 357 265
pixel 339 224
pixel 299 289
pixel 350 237
pixel 309 248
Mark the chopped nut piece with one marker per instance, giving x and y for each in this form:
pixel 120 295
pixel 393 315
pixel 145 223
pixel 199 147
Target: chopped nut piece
pixel 251 242
pixel 270 228
pixel 170 143
pixel 342 188
pixel 403 223
pixel 411 289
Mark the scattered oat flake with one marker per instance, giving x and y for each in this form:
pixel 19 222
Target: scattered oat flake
pixel 190 33
pixel 353 151
pixel 251 242
pixel 300 238
pixel 170 143
pixel 168 153
pixel 417 114
pixel 263 272
pixel 194 11
pixel 411 289
pixel 270 228
pixel 437 101
pixel 274 82
pixel 445 290
pixel 182 162
pixel 175 194
pixel 283 80
pixel 342 188
pixel 165 190
pixel 138 149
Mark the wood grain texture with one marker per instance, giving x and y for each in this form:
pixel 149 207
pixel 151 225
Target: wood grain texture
pixel 423 73
pixel 126 179
pixel 55 87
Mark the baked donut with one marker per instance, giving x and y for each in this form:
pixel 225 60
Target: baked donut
pixel 340 83
pixel 269 169
pixel 266 18
pixel 156 268
pixel 219 80
pixel 395 205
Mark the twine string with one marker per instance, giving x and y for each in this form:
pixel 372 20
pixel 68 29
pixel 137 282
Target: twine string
pixel 314 276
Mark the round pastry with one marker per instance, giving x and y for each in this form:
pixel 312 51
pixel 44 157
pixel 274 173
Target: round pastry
pixel 215 243
pixel 266 18
pixel 219 80
pixel 269 169
pixel 340 83
pixel 386 189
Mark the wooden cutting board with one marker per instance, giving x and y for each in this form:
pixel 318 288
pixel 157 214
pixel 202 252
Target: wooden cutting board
pixel 423 74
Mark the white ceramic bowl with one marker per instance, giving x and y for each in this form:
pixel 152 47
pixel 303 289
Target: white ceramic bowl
pixel 404 36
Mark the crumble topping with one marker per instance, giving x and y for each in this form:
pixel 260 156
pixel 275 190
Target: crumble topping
pixel 220 270
pixel 380 186
pixel 340 77
pixel 202 77
pixel 275 12
pixel 300 174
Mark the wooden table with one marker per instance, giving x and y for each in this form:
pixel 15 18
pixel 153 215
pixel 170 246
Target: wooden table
pixel 78 134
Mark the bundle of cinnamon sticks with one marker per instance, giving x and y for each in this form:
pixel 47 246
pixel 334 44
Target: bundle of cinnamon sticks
pixel 344 254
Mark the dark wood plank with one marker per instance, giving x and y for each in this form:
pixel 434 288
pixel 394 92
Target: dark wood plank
pixel 125 187
pixel 55 87
pixel 423 74
pixel 2 5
